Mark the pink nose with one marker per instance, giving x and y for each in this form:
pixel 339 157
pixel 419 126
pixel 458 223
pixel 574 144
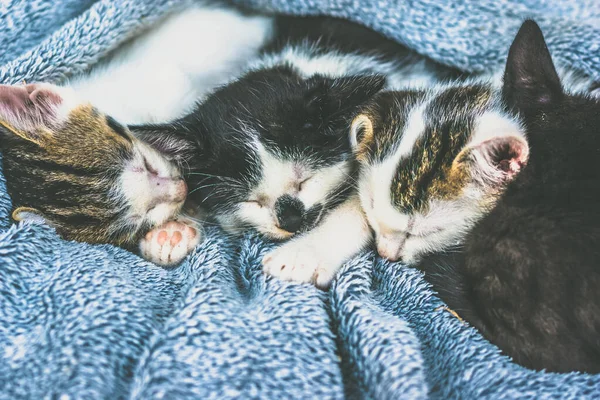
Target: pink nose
pixel 168 189
pixel 180 190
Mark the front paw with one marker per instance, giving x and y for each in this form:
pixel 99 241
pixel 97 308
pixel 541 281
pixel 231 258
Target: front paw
pixel 299 261
pixel 169 243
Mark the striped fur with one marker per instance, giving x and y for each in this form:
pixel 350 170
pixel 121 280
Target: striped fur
pixel 432 163
pixel 80 170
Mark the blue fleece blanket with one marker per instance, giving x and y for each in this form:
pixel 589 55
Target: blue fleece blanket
pixel 91 322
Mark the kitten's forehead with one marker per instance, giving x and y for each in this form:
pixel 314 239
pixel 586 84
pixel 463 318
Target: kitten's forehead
pixel 448 119
pixel 392 114
pixel 457 103
pixel 416 143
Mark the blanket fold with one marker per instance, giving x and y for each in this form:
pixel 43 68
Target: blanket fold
pixel 96 322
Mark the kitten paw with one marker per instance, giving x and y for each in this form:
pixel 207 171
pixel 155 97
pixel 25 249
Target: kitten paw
pixel 169 243
pixel 300 262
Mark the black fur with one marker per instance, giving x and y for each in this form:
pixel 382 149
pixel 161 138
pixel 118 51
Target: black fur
pixel 328 33
pixel 293 116
pixel 529 275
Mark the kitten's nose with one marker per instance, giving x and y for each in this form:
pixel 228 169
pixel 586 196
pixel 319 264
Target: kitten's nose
pixel 180 190
pixel 170 189
pixel 385 254
pixel 289 213
pixel 389 250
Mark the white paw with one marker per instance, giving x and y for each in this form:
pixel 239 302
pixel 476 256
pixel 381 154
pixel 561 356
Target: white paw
pixel 299 261
pixel 169 243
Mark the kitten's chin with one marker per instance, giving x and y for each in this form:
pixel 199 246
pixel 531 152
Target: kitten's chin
pixel 275 233
pixel 398 249
pixel 407 259
pixel 163 213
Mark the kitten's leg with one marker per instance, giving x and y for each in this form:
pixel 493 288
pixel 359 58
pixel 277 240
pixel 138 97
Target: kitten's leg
pixel 317 255
pixel 171 242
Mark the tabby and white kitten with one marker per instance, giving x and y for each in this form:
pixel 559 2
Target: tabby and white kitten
pixel 272 151
pixel 80 170
pixel 509 176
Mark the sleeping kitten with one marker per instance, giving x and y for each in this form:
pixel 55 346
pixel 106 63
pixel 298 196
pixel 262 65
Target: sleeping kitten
pixel 81 193
pixel 272 147
pixel 82 172
pixel 509 176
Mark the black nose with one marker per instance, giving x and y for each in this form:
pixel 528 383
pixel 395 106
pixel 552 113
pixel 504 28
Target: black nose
pixel 289 213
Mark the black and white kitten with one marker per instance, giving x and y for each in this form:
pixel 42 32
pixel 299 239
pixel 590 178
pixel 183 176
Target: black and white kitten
pixel 270 149
pixel 510 177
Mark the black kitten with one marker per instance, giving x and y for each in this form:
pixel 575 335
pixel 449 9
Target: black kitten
pixel 533 264
pixel 495 195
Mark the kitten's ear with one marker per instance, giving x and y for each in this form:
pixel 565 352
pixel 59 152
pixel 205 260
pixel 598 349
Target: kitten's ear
pixel 30 112
pixel 361 134
pixel 498 160
pixel 27 214
pixel 167 140
pixel 530 79
pixel 331 94
pixel 356 90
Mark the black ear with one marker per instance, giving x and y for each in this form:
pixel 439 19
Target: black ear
pixel 336 94
pixel 530 79
pixel 167 140
pixel 356 90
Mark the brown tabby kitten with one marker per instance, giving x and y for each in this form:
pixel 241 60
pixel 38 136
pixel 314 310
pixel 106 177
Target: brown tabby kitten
pixel 82 172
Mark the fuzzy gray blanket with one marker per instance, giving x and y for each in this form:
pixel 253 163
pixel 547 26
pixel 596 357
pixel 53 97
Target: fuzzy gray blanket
pixel 94 322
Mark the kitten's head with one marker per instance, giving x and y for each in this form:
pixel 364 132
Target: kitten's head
pixel 434 162
pixel 275 150
pixel 80 170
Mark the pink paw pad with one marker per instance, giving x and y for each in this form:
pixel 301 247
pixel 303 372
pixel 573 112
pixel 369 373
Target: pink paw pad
pixel 169 243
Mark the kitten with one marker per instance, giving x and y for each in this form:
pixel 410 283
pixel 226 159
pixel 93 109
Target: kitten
pixel 81 171
pixel 495 192
pixel 93 205
pixel 272 147
pixel 272 143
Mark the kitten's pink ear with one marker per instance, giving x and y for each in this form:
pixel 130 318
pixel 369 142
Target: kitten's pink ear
pixel 499 159
pixel 25 109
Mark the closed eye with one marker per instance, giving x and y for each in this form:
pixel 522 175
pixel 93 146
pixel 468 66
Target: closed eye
pixel 301 184
pixel 254 203
pixel 149 167
pixel 425 232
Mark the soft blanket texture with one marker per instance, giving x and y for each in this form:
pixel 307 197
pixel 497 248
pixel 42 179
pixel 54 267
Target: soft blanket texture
pixel 82 321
